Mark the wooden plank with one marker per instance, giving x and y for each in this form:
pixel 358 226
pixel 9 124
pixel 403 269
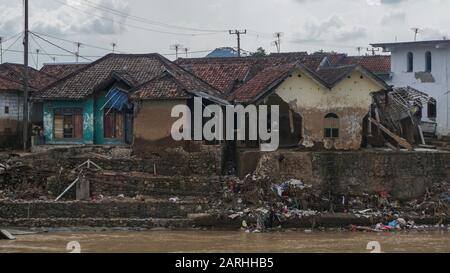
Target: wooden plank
pixel 4 234
pixel 389 145
pixel 401 141
pixel 421 134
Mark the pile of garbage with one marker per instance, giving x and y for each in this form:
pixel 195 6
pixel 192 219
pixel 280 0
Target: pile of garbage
pixel 262 205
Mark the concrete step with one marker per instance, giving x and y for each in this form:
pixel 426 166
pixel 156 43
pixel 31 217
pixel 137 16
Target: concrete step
pixel 54 223
pixel 113 209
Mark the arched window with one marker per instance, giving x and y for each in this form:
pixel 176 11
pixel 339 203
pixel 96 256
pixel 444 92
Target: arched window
pixel 410 62
pixel 428 61
pixel 331 126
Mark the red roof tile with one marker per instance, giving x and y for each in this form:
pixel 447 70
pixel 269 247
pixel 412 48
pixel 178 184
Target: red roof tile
pixel 14 73
pixel 60 71
pixel 378 64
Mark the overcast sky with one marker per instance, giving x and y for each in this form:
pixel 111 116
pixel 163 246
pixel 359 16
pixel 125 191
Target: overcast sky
pixel 201 25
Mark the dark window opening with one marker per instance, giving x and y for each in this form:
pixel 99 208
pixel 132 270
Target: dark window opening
pixel 432 110
pixel 331 126
pixel 428 61
pixel 6 109
pixel 113 124
pixel 410 62
pixel 68 123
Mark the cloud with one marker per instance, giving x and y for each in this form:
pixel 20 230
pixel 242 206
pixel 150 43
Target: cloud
pixel 69 17
pixel 432 34
pixel 395 17
pixel 332 29
pixel 9 20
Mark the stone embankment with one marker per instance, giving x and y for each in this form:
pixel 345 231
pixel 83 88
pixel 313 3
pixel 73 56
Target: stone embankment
pixel 175 189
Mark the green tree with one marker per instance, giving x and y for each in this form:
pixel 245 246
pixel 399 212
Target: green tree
pixel 260 52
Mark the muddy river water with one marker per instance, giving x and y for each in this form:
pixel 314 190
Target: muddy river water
pixel 223 241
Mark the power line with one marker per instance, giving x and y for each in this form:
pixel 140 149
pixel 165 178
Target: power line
pixel 134 26
pixel 39 45
pixel 71 41
pixel 145 20
pixel 11 45
pixel 63 49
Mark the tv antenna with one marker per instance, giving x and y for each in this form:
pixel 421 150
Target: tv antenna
pixel 416 31
pixel 277 42
pixel 177 48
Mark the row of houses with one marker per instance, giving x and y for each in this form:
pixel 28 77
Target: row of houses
pixel 326 99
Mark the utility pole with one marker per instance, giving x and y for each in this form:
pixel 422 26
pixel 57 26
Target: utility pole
pixel 1 50
pixel 37 58
pixel 186 50
pixel 238 33
pixel 54 59
pixel 77 54
pixel 359 48
pixel 113 47
pixel 25 80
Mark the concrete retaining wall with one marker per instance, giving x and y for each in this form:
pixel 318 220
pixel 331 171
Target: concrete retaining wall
pixel 403 175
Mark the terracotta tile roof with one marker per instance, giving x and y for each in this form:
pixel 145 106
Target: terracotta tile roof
pixel 332 75
pixel 134 69
pixel 226 74
pixel 270 77
pixel 160 88
pixel 8 85
pixel 378 64
pixel 60 70
pixel 267 78
pixel 14 73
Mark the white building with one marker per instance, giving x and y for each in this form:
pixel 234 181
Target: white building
pixel 424 66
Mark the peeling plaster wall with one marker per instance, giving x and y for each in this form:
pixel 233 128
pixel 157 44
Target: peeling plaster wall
pixel 350 100
pixel 88 120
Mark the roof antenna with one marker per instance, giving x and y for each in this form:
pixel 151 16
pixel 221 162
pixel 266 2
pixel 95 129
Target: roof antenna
pixel 113 47
pixel 416 31
pixel 277 42
pixel 176 47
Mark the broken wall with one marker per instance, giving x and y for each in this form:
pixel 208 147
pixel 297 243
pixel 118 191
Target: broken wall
pixel 403 175
pixel 349 100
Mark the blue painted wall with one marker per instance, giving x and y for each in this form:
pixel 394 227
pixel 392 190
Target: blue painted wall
pixel 88 120
pixel 92 121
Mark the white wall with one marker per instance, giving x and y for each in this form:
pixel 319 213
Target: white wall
pixel 440 71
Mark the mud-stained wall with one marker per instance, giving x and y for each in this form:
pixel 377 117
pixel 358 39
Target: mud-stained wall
pixel 153 124
pixel 350 99
pixel 404 175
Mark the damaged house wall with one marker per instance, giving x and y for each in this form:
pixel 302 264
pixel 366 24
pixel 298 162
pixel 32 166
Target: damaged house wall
pixel 435 83
pixel 153 124
pixel 350 100
pixel 87 107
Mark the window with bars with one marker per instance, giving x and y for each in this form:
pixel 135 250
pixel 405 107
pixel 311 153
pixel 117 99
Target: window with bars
pixel 331 126
pixel 68 123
